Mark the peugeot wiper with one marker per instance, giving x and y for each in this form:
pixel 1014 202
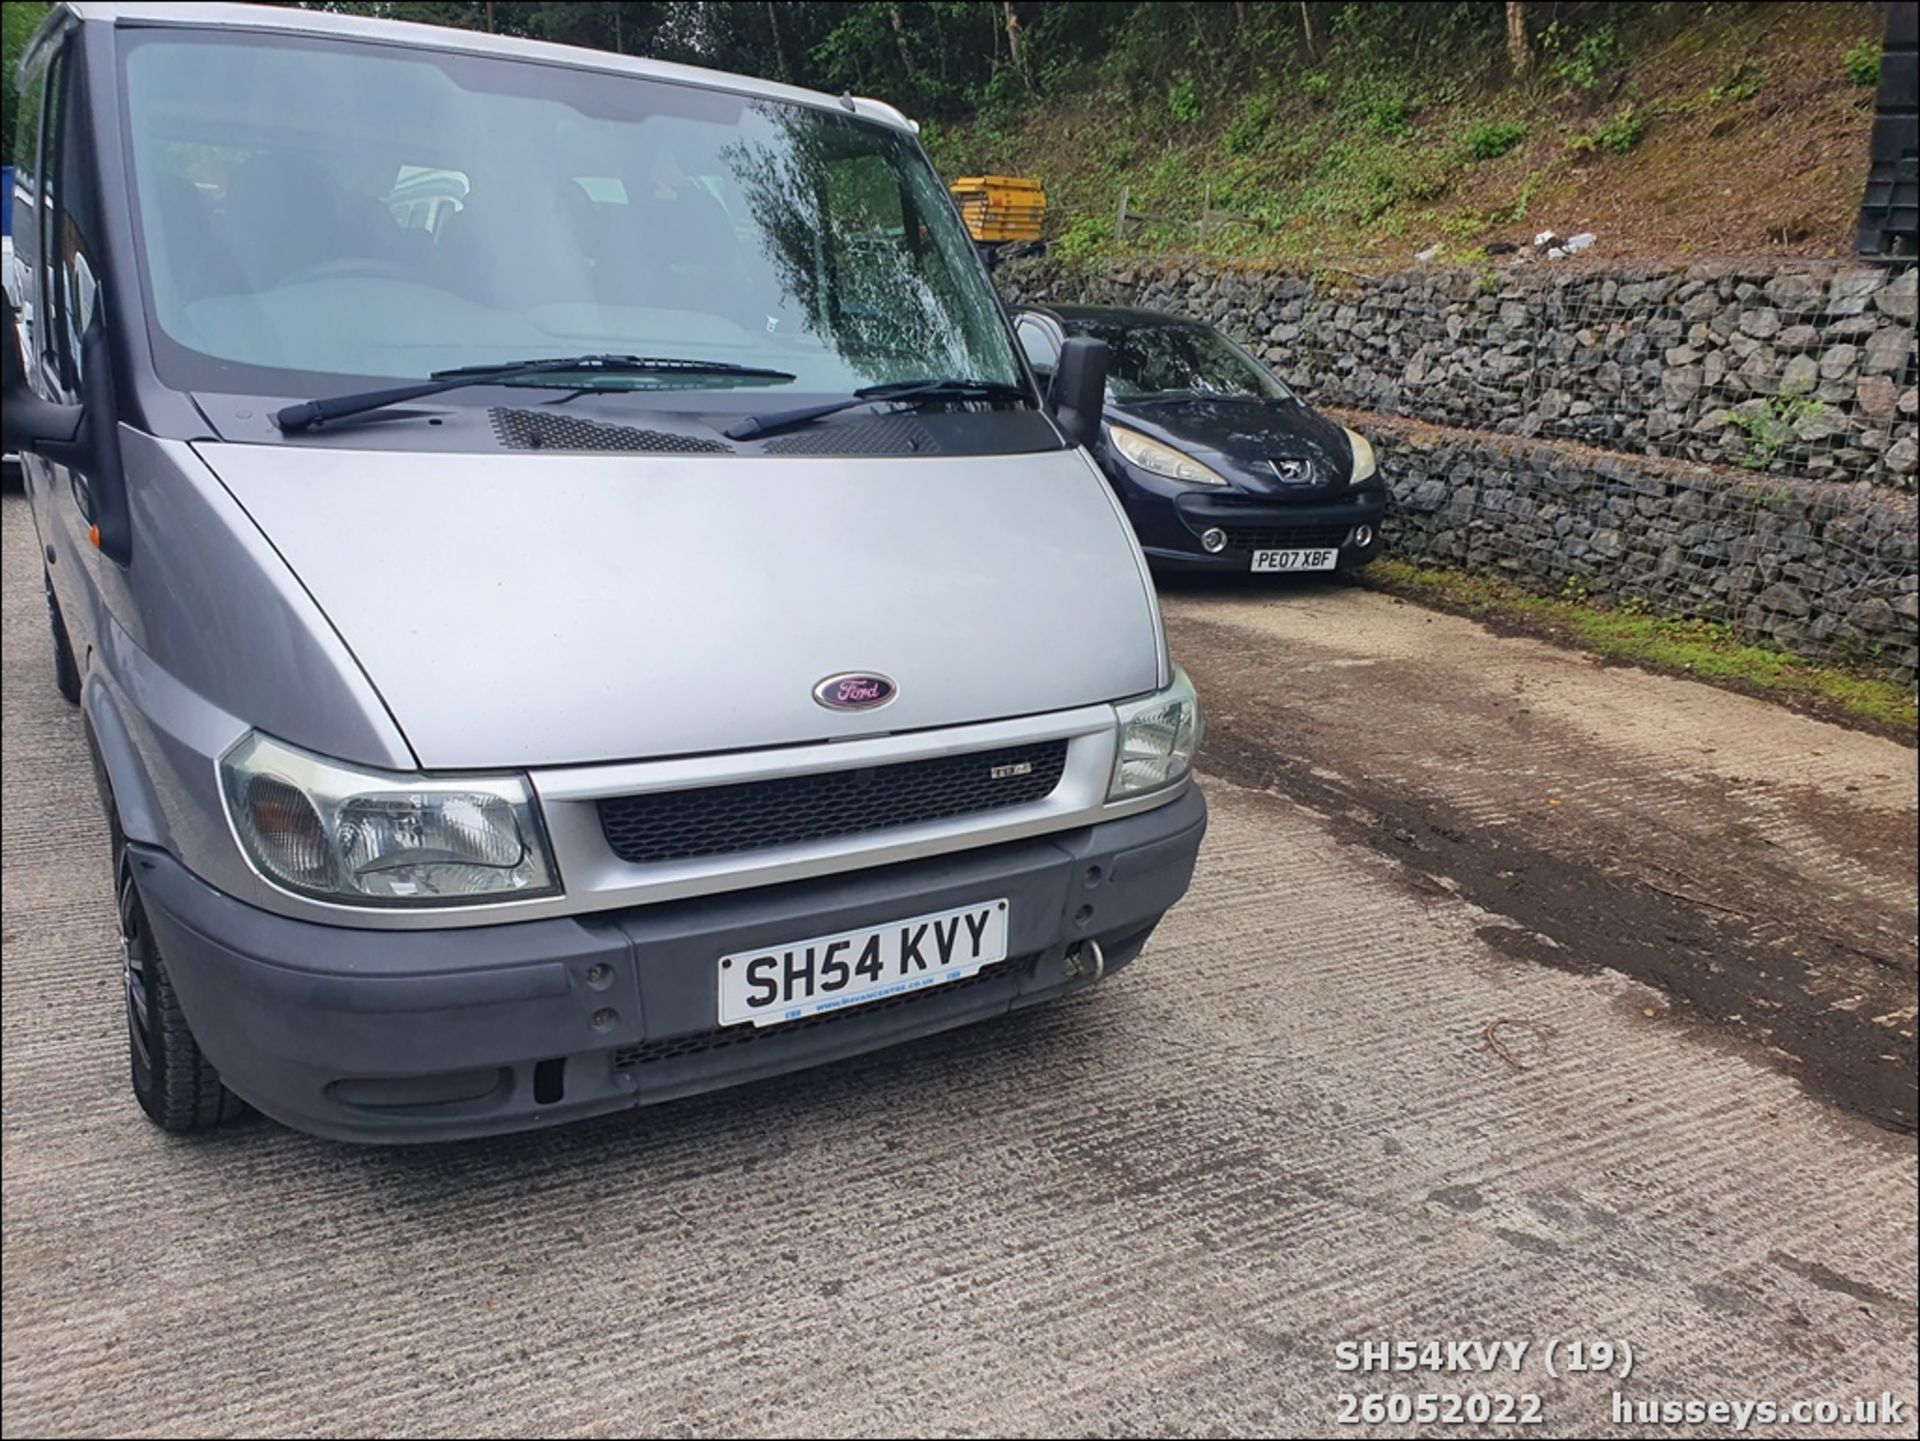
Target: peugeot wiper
pixel 310 413
pixel 910 391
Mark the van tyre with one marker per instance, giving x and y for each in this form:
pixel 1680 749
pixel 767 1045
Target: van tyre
pixel 174 1082
pixel 66 673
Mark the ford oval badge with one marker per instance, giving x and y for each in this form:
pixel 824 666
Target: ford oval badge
pixel 855 692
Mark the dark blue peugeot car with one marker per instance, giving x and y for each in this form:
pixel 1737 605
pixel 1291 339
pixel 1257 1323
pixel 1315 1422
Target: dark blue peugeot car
pixel 1219 465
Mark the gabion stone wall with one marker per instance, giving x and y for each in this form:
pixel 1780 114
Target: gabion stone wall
pixel 1819 569
pixel 1789 368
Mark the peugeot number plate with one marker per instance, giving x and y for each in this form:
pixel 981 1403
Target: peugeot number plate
pixel 1324 559
pixel 827 973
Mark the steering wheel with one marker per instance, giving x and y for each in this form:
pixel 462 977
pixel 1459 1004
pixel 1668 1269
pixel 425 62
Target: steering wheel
pixel 365 266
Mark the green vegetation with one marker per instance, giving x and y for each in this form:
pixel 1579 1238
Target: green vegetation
pixel 1621 135
pixel 1863 63
pixel 18 20
pixel 1705 650
pixel 1490 139
pixel 1740 87
pixel 1183 98
pixel 1579 62
pixel 1770 428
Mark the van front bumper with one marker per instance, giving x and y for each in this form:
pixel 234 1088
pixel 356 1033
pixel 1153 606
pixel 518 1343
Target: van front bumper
pixel 418 1035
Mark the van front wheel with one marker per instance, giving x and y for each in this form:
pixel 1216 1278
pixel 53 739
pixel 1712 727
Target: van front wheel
pixel 66 673
pixel 175 1084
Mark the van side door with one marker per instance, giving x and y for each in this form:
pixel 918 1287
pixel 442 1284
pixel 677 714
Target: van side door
pixel 60 281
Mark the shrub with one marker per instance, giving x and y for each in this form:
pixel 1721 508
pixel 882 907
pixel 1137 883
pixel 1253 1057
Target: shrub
pixel 1620 134
pixel 1863 63
pixel 1771 429
pixel 1579 66
pixel 1744 85
pixel 1249 125
pixel 1315 85
pixel 1494 138
pixel 1183 98
pixel 1386 114
pixel 1083 239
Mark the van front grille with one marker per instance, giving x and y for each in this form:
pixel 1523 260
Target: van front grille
pixel 790 810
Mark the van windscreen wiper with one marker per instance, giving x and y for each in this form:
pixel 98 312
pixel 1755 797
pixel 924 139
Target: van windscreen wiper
pixel 755 426
pixel 310 413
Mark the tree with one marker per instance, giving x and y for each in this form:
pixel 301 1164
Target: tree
pixel 18 20
pixel 1014 48
pixel 1519 52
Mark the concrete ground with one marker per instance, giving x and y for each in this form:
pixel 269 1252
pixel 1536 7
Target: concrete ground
pixel 1515 1000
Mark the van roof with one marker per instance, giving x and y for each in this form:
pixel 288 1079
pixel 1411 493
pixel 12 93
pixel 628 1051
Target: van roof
pixel 297 21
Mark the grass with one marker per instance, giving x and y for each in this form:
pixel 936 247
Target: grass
pixel 1701 649
pixel 1727 132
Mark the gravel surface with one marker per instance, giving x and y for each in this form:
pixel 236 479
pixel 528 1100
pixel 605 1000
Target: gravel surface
pixel 1156 1207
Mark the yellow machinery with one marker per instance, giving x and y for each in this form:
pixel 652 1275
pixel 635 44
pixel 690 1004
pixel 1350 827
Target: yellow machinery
pixel 1000 209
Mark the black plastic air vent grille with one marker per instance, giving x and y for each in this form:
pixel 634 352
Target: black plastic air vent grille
pixel 546 430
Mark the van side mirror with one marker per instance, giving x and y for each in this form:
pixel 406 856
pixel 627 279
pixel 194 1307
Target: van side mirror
pixel 26 421
pixel 82 437
pixel 1079 390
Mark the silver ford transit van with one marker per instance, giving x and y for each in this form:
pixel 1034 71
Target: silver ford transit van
pixel 573 595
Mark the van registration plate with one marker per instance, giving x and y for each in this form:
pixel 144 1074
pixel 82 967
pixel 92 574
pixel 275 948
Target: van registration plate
pixel 797 979
pixel 1280 560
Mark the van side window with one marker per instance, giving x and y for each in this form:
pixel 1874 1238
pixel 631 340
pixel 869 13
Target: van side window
pixel 1039 347
pixel 26 227
pixel 69 259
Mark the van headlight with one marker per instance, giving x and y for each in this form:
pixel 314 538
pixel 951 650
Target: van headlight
pixel 1150 455
pixel 381 838
pixel 1363 463
pixel 1156 739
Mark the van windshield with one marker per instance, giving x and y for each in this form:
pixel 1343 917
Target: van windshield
pixel 311 210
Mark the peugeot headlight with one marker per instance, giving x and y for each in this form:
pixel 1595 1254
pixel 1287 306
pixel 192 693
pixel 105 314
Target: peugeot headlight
pixel 1363 466
pixel 1150 455
pixel 1157 738
pixel 383 838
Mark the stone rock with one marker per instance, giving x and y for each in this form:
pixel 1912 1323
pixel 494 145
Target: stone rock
pixel 1797 337
pixel 1888 351
pixel 1851 293
pixel 1873 615
pixel 1798 294
pixel 1800 376
pixel 1681 384
pixel 1902 455
pixel 1760 323
pixel 1875 395
pixel 1782 599
pixel 1837 360
pixel 1897 297
pixel 1699 307
pixel 1757 370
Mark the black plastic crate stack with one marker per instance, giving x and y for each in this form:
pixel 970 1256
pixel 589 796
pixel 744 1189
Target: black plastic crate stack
pixel 1890 213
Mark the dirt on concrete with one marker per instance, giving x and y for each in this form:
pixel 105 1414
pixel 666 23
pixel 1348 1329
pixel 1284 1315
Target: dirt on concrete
pixel 1754 865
